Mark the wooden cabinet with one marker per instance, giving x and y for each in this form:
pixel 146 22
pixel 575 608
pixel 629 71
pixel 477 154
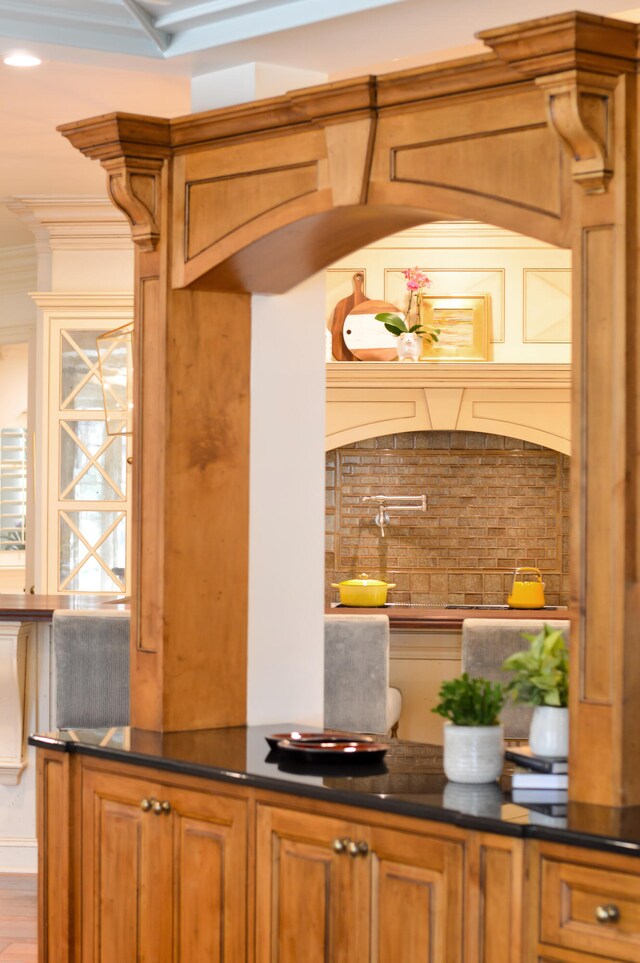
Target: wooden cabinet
pixel 588 904
pixel 495 891
pixel 351 892
pixel 163 871
pixel 140 864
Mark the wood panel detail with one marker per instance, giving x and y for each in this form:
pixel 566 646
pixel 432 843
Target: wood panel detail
pixel 124 862
pixel 54 858
pixel 602 572
pixel 209 876
pixel 305 896
pixel 416 898
pixel 495 909
pixel 218 206
pixel 468 163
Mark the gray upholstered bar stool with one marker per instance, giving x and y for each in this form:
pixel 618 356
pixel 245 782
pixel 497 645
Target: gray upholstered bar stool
pixel 357 695
pixel 486 643
pixel 91 665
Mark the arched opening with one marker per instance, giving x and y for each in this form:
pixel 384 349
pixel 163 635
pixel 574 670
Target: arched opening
pixel 472 138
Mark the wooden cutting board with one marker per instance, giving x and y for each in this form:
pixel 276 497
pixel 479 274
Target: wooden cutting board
pixel 340 312
pixel 374 342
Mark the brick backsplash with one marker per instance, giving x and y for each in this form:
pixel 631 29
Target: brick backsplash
pixel 492 503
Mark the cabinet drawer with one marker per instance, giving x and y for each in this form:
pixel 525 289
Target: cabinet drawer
pixel 575 895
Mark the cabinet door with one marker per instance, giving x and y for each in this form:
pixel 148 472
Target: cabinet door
pixel 495 899
pixel 311 901
pixel 210 876
pixel 416 897
pixel 126 872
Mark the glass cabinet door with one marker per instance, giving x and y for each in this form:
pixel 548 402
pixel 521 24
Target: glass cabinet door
pixel 88 470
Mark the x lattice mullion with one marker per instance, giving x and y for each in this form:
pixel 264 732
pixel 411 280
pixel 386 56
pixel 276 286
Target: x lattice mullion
pixel 92 550
pixel 92 461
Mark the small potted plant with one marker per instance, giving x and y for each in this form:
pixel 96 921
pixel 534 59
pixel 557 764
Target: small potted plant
pixel 473 745
pixel 409 329
pixel 542 680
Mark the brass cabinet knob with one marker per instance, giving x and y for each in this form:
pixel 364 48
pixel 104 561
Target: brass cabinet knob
pixel 166 806
pixel 357 849
pixel 145 805
pixel 608 913
pixel 157 807
pixel 340 845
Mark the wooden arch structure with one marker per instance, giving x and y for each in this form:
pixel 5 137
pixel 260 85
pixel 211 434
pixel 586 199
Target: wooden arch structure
pixel 538 135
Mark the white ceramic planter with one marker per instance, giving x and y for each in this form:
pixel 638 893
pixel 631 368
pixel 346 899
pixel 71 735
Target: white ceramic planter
pixel 549 732
pixel 473 754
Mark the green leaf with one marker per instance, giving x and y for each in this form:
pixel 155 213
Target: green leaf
pixel 470 701
pixel 541 672
pixel 385 316
pixel 393 329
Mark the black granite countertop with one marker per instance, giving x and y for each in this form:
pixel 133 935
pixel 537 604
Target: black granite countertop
pixel 408 781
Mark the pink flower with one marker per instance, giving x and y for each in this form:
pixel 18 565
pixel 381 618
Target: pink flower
pixel 416 279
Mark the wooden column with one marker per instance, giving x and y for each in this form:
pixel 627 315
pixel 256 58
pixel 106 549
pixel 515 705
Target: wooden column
pixel 191 455
pixel 586 67
pixel 257 197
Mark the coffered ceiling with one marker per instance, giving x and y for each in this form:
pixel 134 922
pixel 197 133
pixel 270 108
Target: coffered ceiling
pixel 168 28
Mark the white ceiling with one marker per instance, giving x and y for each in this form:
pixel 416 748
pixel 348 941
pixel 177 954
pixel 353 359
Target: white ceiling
pixel 139 56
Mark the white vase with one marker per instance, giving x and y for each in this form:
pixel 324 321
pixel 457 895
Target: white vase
pixel 408 346
pixel 473 754
pixel 549 732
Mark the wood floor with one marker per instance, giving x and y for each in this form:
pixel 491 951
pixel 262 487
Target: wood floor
pixel 18 919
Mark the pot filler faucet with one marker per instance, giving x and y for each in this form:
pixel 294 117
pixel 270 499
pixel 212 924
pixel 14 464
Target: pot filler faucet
pixel 410 503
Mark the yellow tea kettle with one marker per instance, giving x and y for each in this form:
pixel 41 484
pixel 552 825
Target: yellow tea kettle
pixel 527 591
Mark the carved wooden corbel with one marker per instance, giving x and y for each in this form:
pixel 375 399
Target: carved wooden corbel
pixel 580 106
pixel 134 188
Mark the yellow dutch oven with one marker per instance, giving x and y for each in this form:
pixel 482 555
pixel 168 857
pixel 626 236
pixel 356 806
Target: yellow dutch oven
pixel 363 591
pixel 527 591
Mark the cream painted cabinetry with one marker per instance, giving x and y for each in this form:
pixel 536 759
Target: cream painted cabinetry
pixel 85 499
pixel 529 401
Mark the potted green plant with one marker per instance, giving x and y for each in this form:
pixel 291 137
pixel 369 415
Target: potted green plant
pixel 473 745
pixel 541 679
pixel 409 329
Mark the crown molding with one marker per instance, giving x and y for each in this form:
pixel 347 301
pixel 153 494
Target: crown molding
pixel 70 301
pixel 73 222
pixel 459 234
pixel 16 333
pixel 485 374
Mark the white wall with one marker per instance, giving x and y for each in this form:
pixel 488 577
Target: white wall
pixel 286 548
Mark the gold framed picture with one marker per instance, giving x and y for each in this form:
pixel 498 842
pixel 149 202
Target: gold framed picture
pixel 464 321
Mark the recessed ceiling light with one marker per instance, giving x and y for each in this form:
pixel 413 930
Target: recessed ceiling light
pixel 20 59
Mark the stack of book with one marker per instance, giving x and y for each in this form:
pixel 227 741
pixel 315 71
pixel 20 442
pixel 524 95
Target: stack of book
pixel 538 779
